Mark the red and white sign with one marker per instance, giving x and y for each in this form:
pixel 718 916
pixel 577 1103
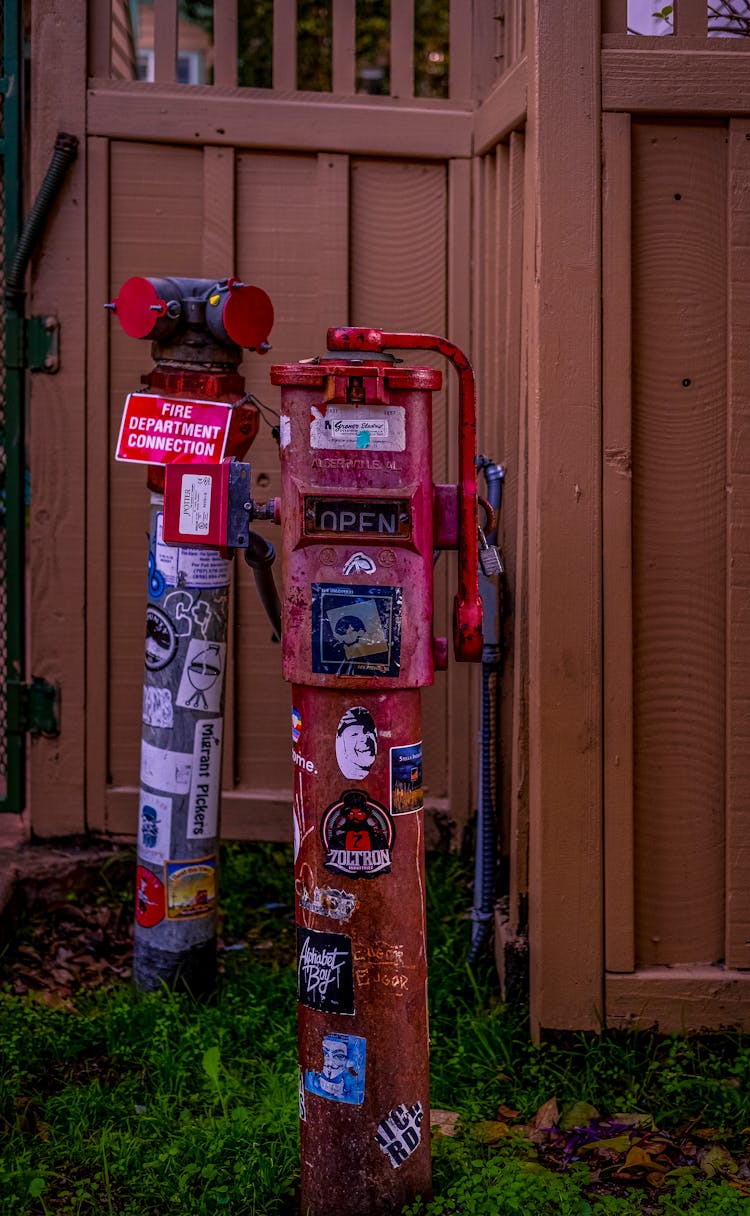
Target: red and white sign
pixel 156 430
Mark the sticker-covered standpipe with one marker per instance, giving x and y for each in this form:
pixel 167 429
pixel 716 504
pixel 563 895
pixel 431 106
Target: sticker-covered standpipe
pixel 180 787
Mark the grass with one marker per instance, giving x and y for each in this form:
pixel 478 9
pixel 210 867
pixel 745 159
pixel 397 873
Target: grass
pixel 132 1105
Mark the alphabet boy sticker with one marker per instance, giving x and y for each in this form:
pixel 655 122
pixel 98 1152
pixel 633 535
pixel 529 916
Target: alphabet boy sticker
pixel 325 978
pixel 356 630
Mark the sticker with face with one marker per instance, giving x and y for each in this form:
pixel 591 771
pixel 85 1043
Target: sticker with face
pixel 342 1077
pixel 154 826
pixel 400 1132
pixel 356 743
pixel 357 835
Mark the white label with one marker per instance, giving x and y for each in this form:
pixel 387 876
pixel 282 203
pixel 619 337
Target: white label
pixel 157 706
pixel 354 428
pixel 197 567
pixel 195 504
pixel 202 679
pixel 167 556
pixel 205 787
pixel 154 826
pixel 164 770
pixel 285 431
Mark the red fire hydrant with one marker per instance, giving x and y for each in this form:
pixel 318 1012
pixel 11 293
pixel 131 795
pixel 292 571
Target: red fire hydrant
pixel 361 518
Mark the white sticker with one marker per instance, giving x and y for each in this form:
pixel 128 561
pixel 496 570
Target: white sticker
pixel 195 504
pixel 154 827
pixel 285 431
pixel 205 787
pixel 356 428
pixel 167 556
pixel 157 707
pixel 192 567
pixel 202 679
pixel 164 770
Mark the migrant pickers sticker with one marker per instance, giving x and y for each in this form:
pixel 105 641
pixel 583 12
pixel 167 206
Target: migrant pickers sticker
pixel 325 977
pixel 156 430
pixel 205 784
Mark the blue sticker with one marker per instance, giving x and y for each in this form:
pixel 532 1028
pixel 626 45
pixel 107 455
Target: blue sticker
pixel 406 779
pixel 342 1076
pixel 157 584
pixel 296 725
pixel 356 630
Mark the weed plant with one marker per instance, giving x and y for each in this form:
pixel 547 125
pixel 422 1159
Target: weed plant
pixel 135 1105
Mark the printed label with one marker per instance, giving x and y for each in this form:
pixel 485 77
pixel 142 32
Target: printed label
pixel 161 639
pixel 149 898
pixel 202 682
pixel 195 504
pixel 165 770
pixel 375 517
pixel 157 706
pixel 356 743
pixel 342 1077
pixel 191 888
pixel 356 428
pixel 400 1132
pixel 205 786
pixel 155 430
pixel 326 901
pixel 406 779
pixel 195 567
pixel 357 835
pixel 356 630
pixel 154 826
pixel 324 971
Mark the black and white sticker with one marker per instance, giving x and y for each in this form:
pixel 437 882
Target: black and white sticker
pixel 205 784
pixel 400 1133
pixel 325 976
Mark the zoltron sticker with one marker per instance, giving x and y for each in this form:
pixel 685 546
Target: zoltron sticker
pixel 191 888
pixel 357 835
pixel 149 898
pixel 342 1077
pixel 356 743
pixel 324 971
pixel 400 1132
pixel 406 779
pixel 356 630
pixel 154 826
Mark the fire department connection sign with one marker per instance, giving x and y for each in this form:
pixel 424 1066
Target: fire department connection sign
pixel 155 430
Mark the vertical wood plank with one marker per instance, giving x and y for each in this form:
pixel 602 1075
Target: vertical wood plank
pixel 332 242
pixel 218 261
pixel 99 38
pixel 462 683
pixel 225 42
pixel 402 49
pixel 343 46
pixel 165 41
pixel 738 553
pixel 485 63
pixel 460 48
pixel 285 44
pixel 57 444
pixel 98 461
pixel 679 539
pixel 614 16
pixel 617 546
pixel 562 279
pixel 691 17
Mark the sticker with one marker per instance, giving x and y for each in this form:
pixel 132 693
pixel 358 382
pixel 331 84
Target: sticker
pixel 157 584
pixel 356 743
pixel 161 639
pixel 296 724
pixel 205 786
pixel 325 977
pixel 301 1094
pixel 359 563
pixel 373 517
pixel 357 835
pixel 149 898
pixel 157 706
pixel 285 431
pixel 355 428
pixel 195 504
pixel 400 1132
pixel 155 430
pixel 379 963
pixel 154 826
pixel 406 779
pixel 165 770
pixel 202 681
pixel 191 567
pixel 342 1077
pixel 326 901
pixel 191 888
pixel 190 613
pixel 356 630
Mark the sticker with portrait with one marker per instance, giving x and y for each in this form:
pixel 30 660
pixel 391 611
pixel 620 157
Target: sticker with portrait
pixel 356 630
pixel 356 743
pixel 154 826
pixel 406 779
pixel 340 1076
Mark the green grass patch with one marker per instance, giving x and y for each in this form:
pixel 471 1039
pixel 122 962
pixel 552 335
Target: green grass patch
pixel 123 1104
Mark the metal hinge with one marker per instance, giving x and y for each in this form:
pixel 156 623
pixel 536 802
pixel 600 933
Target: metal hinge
pixel 43 344
pixel 33 708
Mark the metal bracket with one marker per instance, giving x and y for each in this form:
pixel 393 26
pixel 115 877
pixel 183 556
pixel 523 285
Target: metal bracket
pixel 43 344
pixel 33 708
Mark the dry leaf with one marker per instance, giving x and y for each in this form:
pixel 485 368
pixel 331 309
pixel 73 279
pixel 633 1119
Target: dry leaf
pixel 547 1115
pixel 489 1131
pixel 444 1122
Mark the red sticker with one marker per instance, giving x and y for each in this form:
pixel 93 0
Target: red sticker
pixel 149 898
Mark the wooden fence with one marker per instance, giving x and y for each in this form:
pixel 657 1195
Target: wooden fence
pixel 572 206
